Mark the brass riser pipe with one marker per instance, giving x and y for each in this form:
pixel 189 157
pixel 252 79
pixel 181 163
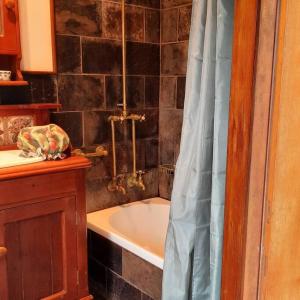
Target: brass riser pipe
pixel 133 149
pixel 113 138
pixel 124 59
pixel 115 185
pixel 133 118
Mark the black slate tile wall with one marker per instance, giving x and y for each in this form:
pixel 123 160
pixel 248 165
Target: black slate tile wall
pixel 68 54
pixel 173 3
pixel 115 273
pixel 175 26
pixel 78 17
pixel 41 89
pixel 89 86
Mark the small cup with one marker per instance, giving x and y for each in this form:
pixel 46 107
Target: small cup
pixel 5 75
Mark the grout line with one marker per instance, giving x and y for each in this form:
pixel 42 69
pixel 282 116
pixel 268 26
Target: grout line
pixel 144 104
pixel 177 29
pixel 102 38
pixel 177 42
pixel 83 129
pixel 123 278
pixel 107 74
pixel 110 110
pixel 133 5
pixel 144 13
pixel 177 6
pixel 104 92
pixel 160 85
pixel 172 76
pixel 81 64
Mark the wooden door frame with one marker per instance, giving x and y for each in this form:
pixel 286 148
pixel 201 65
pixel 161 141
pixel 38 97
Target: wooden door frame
pixel 254 46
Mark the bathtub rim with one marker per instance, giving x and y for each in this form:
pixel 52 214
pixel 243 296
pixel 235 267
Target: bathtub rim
pixel 121 240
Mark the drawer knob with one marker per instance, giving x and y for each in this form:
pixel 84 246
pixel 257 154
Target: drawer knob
pixel 3 251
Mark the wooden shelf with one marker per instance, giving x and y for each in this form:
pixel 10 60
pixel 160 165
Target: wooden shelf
pixel 34 106
pixel 13 83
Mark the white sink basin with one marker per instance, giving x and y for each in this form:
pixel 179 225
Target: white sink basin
pixel 12 158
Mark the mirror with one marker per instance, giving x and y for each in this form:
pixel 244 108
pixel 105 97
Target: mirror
pixel 37 36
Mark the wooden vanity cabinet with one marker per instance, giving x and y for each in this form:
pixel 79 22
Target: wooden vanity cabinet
pixel 43 231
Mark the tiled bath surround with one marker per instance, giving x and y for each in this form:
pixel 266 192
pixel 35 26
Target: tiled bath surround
pixel 115 273
pixel 175 26
pixel 90 87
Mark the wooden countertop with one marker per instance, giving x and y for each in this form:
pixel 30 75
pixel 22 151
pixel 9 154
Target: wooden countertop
pixel 45 167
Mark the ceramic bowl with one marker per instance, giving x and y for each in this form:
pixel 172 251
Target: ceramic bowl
pixel 5 75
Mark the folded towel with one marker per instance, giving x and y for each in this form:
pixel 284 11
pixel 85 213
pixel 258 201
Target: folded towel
pixel 50 142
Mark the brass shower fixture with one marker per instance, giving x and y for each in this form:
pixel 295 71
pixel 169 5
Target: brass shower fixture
pixel 136 177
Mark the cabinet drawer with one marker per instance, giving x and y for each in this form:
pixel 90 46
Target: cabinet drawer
pixel 14 192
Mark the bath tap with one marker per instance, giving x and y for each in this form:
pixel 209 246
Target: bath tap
pixel 117 185
pixel 140 182
pixel 136 180
pixel 121 189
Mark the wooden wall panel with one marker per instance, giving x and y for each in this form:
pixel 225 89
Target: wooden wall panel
pixel 280 278
pixel 259 143
pixel 239 146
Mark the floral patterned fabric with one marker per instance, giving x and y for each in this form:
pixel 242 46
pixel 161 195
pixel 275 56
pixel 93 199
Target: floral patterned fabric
pixel 49 142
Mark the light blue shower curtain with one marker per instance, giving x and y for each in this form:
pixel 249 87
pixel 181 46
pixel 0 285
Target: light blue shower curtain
pixel 193 257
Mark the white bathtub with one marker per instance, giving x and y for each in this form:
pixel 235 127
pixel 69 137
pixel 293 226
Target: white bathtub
pixel 139 227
